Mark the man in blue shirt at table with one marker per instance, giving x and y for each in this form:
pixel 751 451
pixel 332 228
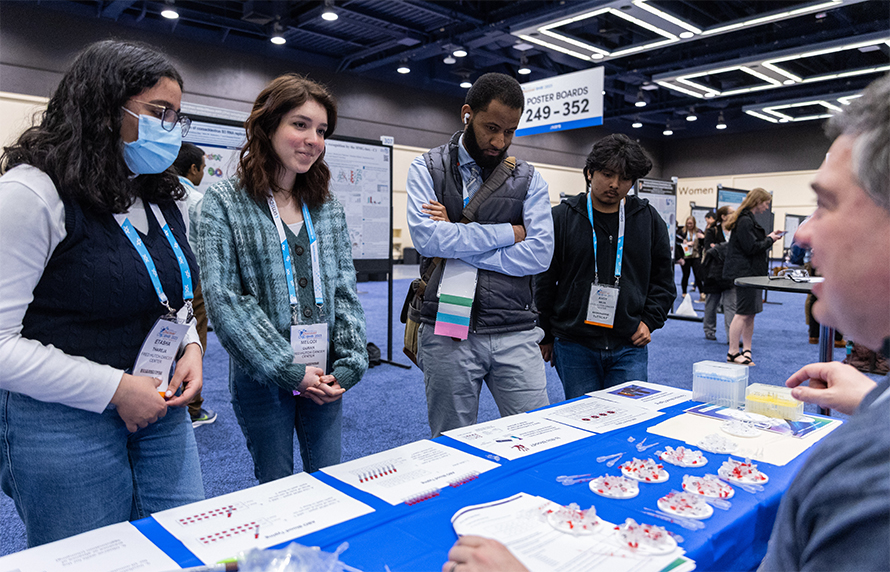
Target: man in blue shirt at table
pixel 510 242
pixel 836 513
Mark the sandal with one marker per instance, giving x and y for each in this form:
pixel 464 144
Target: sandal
pixel 731 358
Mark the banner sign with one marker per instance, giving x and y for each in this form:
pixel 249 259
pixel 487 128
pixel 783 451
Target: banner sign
pixel 564 102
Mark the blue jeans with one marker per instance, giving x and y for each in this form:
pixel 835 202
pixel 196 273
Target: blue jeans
pixel 69 470
pixel 268 416
pixel 583 370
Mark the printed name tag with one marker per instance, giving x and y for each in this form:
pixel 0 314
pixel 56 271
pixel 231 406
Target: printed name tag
pixel 310 345
pixel 602 305
pixel 158 351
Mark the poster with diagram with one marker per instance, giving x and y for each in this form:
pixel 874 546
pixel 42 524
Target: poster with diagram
pixel 222 147
pixel 361 179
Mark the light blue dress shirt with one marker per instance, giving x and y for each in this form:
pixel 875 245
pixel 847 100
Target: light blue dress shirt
pixel 485 246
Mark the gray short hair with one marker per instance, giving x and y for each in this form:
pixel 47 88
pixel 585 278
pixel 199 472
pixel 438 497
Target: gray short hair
pixel 867 118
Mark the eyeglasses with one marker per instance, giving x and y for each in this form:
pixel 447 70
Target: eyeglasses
pixel 169 117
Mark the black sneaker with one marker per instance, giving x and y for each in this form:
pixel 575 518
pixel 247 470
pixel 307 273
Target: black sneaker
pixel 711 337
pixel 205 417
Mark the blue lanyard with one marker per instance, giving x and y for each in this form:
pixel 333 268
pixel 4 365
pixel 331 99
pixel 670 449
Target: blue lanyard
pixel 136 241
pixel 285 254
pixel 619 255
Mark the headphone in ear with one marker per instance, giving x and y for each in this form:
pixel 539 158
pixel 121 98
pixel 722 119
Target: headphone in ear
pixel 466 118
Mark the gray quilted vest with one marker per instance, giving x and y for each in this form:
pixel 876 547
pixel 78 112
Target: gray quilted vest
pixel 502 303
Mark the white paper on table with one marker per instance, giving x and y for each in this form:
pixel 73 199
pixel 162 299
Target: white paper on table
pixel 645 394
pixel 598 415
pixel 519 523
pixel 111 548
pixel 517 435
pixel 259 517
pixel 409 471
pixel 767 447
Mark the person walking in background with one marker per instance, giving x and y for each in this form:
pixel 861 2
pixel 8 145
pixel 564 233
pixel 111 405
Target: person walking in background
pixel 717 289
pixel 747 255
pixel 611 283
pixel 509 242
pixel 189 165
pixel 278 276
pixel 96 263
pixel 688 254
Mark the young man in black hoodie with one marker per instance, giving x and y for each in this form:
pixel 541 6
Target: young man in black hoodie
pixel 598 311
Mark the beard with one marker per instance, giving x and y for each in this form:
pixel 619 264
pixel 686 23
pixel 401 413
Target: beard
pixel 472 145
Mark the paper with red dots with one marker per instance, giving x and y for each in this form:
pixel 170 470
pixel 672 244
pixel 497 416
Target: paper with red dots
pixel 597 414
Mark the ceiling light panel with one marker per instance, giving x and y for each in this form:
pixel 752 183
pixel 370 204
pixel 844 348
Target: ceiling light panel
pixel 770 71
pixel 802 109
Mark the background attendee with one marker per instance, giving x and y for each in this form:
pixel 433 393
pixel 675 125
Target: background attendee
pixel 688 254
pixel 719 290
pixel 85 443
pixel 836 514
pixel 747 255
pixel 628 296
pixel 189 165
pixel 510 241
pixel 275 253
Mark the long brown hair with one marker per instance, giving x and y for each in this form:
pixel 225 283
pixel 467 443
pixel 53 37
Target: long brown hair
pixel 259 164
pixel 755 197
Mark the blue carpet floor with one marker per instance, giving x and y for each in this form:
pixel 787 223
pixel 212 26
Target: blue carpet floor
pixel 388 407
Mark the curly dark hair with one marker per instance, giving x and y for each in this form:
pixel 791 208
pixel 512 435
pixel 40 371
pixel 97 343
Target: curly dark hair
pixel 493 86
pixel 77 141
pixel 620 154
pixel 259 164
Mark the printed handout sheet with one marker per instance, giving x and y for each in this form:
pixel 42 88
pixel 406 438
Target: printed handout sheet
pixel 645 394
pixel 409 472
pixel 521 524
pixel 259 517
pixel 118 547
pixel 517 435
pixel 597 414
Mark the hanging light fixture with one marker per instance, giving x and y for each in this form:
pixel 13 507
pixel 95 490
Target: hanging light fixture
pixel 667 130
pixel 277 37
pixel 169 10
pixel 691 116
pixel 329 13
pixel 721 123
pixel 637 123
pixel 523 66
pixel 641 100
pixel 459 53
pixel 403 67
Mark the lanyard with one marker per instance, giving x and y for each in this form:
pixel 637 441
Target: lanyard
pixel 285 253
pixel 619 255
pixel 136 241
pixel 466 191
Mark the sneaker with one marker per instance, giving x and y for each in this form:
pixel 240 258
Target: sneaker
pixel 205 417
pixel 711 337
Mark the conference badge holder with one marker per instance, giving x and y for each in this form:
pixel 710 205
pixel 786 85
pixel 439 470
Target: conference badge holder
pixel 602 305
pixel 310 345
pixel 159 350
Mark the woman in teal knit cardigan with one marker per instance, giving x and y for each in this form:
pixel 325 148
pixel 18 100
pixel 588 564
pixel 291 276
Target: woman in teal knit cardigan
pixel 262 292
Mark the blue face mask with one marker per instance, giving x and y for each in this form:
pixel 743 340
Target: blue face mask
pixel 155 149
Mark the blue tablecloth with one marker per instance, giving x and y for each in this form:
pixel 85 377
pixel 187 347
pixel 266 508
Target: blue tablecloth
pixel 418 537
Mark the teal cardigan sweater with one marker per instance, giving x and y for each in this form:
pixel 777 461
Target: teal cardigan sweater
pixel 243 281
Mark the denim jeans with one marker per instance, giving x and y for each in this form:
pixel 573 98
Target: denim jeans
pixel 69 471
pixel 268 416
pixel 583 370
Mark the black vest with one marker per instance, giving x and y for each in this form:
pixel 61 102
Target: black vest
pixel 95 298
pixel 502 303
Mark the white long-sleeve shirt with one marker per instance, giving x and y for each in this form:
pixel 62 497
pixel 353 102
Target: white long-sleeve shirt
pixel 32 224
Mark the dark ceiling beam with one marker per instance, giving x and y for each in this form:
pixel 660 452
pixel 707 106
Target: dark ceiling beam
pixel 116 8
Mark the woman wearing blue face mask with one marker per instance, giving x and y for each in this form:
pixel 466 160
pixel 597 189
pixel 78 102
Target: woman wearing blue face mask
pixel 95 302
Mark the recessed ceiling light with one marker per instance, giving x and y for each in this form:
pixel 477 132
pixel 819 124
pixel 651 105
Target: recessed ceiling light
pixel 596 56
pixel 686 35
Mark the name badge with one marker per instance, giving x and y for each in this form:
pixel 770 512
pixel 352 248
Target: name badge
pixel 158 351
pixel 602 305
pixel 310 345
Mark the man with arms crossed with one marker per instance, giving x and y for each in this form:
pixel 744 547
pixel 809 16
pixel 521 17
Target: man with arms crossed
pixel 510 242
pixel 599 308
pixel 836 514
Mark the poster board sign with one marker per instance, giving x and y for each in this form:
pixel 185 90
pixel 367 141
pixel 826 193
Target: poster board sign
pixel 662 195
pixel 699 214
pixel 727 196
pixel 564 102
pixel 792 222
pixel 221 144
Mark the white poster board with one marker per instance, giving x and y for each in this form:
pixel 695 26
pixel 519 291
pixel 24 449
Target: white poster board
pixel 222 147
